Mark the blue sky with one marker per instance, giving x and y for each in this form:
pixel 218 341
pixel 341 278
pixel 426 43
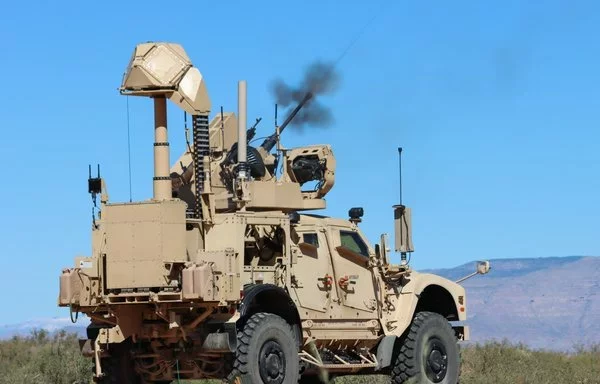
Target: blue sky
pixel 496 104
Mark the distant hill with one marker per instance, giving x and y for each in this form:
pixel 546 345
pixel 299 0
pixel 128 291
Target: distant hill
pixel 53 324
pixel 551 303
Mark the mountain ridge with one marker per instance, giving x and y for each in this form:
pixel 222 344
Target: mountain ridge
pixel 549 303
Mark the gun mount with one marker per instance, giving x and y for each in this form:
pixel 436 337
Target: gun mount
pixel 220 251
pixel 270 141
pixel 245 177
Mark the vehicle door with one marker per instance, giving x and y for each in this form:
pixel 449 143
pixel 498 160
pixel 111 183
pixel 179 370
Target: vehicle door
pixel 353 278
pixel 312 275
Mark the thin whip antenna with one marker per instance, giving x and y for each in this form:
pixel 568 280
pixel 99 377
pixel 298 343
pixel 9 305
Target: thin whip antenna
pixel 222 129
pixel 128 151
pixel 222 122
pixel 360 33
pixel 400 172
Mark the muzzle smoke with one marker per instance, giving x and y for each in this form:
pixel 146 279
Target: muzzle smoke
pixel 320 78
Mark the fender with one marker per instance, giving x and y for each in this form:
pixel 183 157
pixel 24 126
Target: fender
pixel 268 298
pixel 413 296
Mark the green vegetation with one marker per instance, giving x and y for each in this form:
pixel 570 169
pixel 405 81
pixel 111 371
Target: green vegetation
pixel 44 359
pixel 41 359
pixel 505 363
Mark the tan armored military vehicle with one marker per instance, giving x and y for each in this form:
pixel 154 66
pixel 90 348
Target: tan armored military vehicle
pixel 224 274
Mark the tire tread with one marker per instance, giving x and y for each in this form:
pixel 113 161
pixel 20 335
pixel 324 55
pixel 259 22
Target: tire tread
pixel 244 338
pixel 406 367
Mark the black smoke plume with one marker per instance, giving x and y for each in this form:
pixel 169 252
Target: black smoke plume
pixel 319 79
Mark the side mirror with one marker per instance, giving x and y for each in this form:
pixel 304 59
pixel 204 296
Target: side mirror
pixel 481 268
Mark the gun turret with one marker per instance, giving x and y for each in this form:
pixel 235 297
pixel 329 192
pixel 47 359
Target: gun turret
pixel 270 141
pixel 237 175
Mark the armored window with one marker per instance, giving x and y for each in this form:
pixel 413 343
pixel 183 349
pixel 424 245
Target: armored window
pixel 311 238
pixel 353 242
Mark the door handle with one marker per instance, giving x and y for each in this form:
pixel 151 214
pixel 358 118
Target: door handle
pixel 345 281
pixel 327 281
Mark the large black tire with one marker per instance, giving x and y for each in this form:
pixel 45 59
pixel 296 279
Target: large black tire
pixel 429 353
pixel 267 351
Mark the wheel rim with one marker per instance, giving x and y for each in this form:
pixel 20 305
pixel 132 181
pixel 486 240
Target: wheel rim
pixel 271 363
pixel 436 361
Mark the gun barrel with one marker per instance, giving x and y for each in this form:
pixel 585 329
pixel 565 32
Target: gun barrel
pixel 270 141
pixel 301 104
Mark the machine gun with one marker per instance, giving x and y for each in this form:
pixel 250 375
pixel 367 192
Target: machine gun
pixel 270 141
pixel 299 167
pixel 305 164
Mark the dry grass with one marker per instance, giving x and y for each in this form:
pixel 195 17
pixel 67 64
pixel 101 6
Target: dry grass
pixel 505 363
pixel 41 359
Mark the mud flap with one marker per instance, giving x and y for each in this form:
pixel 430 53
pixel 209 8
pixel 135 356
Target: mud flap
pixel 462 332
pixel 86 347
pixel 385 350
pixel 222 341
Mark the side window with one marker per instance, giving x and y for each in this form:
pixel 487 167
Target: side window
pixel 311 238
pixel 353 242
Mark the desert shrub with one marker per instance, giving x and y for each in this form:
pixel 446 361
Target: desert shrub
pixel 44 359
pixel 502 362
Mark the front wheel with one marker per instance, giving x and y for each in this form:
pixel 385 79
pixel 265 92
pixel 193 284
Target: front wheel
pixel 429 353
pixel 267 351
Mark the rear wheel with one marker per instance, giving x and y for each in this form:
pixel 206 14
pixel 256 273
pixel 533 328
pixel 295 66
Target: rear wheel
pixel 267 351
pixel 118 367
pixel 429 354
